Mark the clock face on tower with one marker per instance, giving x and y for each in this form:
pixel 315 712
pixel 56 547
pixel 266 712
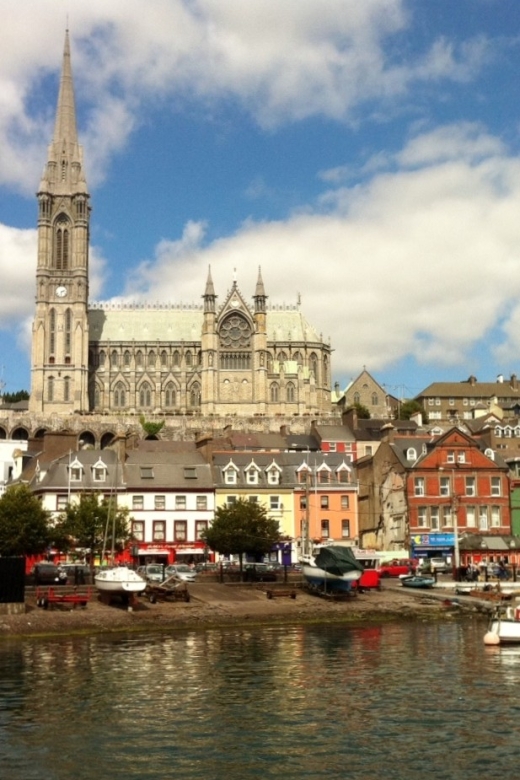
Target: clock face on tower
pixel 61 291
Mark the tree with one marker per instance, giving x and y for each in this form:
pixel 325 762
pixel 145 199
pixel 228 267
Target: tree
pixel 242 527
pixel 362 412
pixel 24 523
pixel 11 398
pixel 94 525
pixel 407 408
pixel 151 428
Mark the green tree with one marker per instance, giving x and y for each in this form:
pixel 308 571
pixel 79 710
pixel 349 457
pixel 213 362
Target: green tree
pixel 94 525
pixel 11 398
pixel 242 528
pixel 407 408
pixel 362 412
pixel 151 428
pixel 24 523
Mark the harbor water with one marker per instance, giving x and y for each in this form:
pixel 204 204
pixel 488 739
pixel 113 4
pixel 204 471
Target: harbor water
pixel 396 701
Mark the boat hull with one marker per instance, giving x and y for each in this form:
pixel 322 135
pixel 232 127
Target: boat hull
pixel 507 631
pixel 324 580
pixel 119 580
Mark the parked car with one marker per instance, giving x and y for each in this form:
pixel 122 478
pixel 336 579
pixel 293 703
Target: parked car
pixel 259 572
pixel 182 571
pixel 397 567
pixel 76 573
pixel 152 572
pixel 437 564
pixel 47 573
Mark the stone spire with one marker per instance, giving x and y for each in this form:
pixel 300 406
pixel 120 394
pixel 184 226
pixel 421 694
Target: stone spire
pixel 260 297
pixel 209 293
pixel 65 125
pixel 64 169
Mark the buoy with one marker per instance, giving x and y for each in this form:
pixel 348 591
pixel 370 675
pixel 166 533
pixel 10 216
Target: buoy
pixel 491 638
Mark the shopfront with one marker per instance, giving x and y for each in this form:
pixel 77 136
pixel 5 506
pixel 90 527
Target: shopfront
pixel 432 545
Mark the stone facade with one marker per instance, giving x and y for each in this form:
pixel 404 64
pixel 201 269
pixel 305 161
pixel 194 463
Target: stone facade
pixel 235 359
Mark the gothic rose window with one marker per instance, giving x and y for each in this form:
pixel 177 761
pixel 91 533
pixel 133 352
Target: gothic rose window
pixel 235 332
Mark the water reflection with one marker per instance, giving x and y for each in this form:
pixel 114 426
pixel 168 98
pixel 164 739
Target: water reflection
pixel 315 701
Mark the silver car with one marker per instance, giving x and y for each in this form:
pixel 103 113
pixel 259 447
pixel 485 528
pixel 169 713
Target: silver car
pixel 182 571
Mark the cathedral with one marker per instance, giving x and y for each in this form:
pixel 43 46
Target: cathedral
pixel 234 358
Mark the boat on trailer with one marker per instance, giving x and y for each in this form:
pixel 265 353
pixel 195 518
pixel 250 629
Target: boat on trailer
pixel 334 569
pixel 119 580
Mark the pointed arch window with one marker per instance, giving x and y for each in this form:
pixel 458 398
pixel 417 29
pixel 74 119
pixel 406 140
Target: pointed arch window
pixel 114 359
pixel 313 364
pixel 62 243
pixel 119 396
pixel 66 389
pixel 50 388
pixel 68 331
pixel 139 359
pixel 356 398
pixel 195 395
pixel 274 392
pixel 297 357
pixel 102 358
pixel 164 358
pixel 269 362
pixel 170 395
pixel 145 395
pixel 52 331
pixel 151 359
pixel 281 357
pixel 375 399
pixel 189 358
pixel 290 393
pixel 176 359
pixel 127 358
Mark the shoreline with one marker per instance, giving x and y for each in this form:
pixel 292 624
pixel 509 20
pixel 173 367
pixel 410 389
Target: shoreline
pixel 215 606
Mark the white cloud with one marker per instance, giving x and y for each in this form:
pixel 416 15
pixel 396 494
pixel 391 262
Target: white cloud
pixel 283 61
pixel 418 262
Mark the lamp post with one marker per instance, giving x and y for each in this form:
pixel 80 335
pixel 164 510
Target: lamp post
pixel 455 520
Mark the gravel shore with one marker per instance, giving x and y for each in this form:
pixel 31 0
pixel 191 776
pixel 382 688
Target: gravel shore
pixel 215 605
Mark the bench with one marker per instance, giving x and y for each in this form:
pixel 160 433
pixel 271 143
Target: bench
pixel 279 593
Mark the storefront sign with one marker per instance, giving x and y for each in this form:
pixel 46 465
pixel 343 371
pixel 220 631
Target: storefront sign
pixel 432 540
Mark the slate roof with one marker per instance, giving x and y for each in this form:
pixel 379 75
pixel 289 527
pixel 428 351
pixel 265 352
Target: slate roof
pixel 163 323
pixel 159 470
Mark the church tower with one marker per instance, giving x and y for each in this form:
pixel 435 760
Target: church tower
pixel 59 366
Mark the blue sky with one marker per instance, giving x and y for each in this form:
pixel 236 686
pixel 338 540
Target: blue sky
pixel 365 154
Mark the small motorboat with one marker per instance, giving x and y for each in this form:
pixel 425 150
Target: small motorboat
pixel 417 581
pixel 504 627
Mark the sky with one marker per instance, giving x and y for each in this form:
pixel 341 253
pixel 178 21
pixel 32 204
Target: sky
pixel 365 155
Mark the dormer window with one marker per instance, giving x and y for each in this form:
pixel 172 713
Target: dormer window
pixel 323 475
pixel 274 473
pixel 230 473
pixel 75 471
pixel 411 454
pixel 303 474
pixel 343 473
pixel 252 472
pixel 99 471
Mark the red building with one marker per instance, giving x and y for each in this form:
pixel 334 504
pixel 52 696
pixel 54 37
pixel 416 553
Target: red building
pixel 456 488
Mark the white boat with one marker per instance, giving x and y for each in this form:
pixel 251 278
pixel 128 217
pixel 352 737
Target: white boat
pixel 120 579
pixel 333 569
pixel 504 627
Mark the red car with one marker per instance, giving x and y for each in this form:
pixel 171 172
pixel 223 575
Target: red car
pixel 397 567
